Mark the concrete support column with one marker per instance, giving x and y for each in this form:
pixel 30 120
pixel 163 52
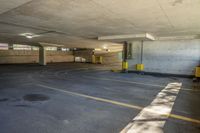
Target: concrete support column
pixel 10 46
pixel 59 49
pixel 142 48
pixel 125 51
pixel 42 56
pixel 125 55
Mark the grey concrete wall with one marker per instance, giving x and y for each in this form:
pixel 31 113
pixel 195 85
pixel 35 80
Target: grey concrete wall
pixel 25 56
pixel 174 57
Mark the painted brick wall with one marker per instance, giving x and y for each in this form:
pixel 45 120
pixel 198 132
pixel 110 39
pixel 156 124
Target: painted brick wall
pixel 174 57
pixel 25 56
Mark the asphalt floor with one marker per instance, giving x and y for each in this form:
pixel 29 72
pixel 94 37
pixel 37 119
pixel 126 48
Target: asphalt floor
pixel 86 98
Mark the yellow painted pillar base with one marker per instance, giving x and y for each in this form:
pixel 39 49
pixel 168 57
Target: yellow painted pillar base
pixel 125 65
pixel 93 59
pixel 97 59
pixel 197 72
pixel 140 67
pixel 100 60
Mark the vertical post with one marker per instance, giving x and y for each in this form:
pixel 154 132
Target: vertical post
pixel 74 54
pixel 142 47
pixel 125 53
pixel 140 67
pixel 93 58
pixel 129 51
pixel 42 56
pixel 10 46
pixel 125 50
pixel 59 49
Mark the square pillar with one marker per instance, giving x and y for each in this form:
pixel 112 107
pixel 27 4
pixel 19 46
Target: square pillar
pixel 10 46
pixel 42 56
pixel 59 49
pixel 125 56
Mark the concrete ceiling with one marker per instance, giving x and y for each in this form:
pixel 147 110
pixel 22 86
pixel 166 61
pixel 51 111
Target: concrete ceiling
pixel 78 23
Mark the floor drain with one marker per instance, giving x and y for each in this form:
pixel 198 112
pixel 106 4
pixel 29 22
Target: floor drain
pixel 35 97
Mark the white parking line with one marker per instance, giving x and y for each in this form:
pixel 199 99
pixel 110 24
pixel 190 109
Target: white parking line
pixel 151 118
pixel 135 82
pixel 132 106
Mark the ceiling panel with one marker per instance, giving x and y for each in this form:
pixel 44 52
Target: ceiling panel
pixel 88 19
pixel 6 5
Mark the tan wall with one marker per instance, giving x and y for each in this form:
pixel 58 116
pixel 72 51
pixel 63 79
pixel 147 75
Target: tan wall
pixel 25 56
pixel 59 56
pixel 87 54
pixel 113 60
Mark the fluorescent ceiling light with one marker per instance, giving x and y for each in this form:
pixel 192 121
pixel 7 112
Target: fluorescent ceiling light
pixel 50 44
pixel 97 49
pixel 104 47
pixel 29 37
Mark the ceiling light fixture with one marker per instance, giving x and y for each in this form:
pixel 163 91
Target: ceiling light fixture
pixel 104 47
pixel 97 49
pixel 29 36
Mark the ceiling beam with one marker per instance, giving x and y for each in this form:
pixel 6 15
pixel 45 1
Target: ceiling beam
pixel 131 37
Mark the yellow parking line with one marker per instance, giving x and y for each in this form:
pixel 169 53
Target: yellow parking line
pixel 183 118
pixel 123 81
pixel 119 103
pixel 132 82
pixel 94 98
pixel 193 90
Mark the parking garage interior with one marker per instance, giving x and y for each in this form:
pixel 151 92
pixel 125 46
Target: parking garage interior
pixel 109 66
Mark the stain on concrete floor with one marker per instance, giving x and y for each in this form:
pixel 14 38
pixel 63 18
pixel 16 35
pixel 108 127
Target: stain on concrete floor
pixel 35 97
pixel 21 106
pixel 3 99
